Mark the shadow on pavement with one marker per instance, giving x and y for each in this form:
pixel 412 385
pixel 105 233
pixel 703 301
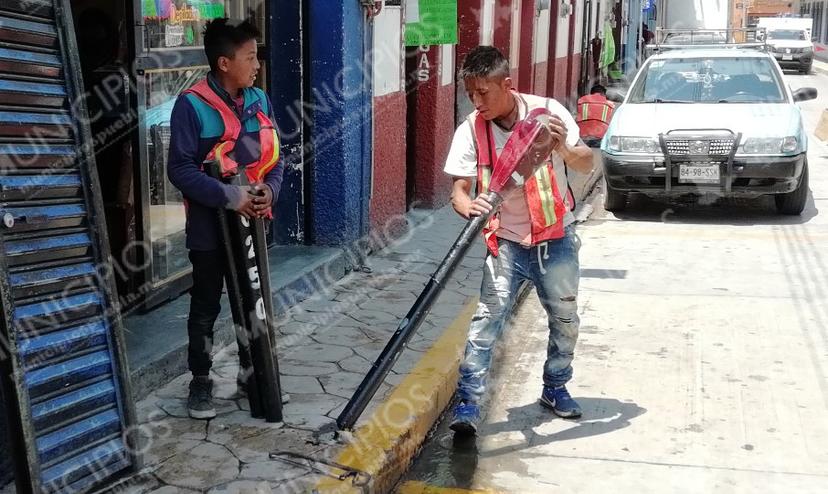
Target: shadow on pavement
pixel 711 211
pixel 601 416
pixel 449 461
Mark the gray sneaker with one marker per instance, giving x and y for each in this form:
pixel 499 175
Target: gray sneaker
pixel 200 401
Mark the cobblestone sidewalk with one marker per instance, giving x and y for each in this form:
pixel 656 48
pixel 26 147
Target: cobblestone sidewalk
pixel 326 345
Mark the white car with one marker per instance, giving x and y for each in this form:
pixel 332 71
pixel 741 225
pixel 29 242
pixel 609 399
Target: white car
pixel 792 49
pixel 708 120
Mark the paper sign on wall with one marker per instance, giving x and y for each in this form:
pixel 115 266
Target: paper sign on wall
pixel 173 35
pixel 437 24
pixel 412 11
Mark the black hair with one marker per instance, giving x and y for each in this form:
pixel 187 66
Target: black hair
pixel 484 62
pixel 597 88
pixel 222 37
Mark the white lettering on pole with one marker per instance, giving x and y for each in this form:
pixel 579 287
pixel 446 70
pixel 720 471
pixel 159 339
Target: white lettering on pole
pixel 260 309
pixel 253 276
pixel 248 242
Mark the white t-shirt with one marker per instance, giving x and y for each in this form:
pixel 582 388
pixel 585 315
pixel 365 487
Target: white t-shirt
pixel 515 224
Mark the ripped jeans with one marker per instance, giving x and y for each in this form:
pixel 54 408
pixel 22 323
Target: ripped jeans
pixel 552 267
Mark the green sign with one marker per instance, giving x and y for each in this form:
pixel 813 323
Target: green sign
pixel 211 10
pixel 437 26
pixel 148 9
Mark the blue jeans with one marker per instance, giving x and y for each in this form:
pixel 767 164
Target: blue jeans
pixel 552 267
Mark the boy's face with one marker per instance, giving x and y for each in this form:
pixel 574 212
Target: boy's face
pixel 243 67
pixel 492 97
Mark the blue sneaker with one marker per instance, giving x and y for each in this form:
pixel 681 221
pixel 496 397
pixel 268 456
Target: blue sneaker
pixel 559 401
pixel 466 417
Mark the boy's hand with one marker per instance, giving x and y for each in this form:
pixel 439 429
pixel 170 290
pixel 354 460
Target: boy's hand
pixel 264 199
pixel 241 200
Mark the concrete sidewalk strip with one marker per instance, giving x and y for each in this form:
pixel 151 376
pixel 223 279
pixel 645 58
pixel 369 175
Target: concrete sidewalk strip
pixel 326 345
pixel 384 444
pixel 821 66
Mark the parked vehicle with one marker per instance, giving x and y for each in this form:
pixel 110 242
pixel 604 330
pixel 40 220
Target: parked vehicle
pixel 695 38
pixel 708 120
pixel 789 39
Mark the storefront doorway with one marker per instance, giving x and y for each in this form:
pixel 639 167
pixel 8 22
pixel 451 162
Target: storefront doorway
pixel 137 57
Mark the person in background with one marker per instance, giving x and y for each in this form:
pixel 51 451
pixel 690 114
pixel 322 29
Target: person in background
pixel 594 114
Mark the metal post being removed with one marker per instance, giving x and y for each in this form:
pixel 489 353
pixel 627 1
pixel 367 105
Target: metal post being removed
pixel 529 146
pixel 248 287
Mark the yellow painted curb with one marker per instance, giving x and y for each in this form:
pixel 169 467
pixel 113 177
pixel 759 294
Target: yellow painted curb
pixel 385 444
pixel 423 488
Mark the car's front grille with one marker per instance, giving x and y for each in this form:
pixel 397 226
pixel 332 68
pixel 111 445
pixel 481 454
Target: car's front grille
pixel 721 147
pixel 791 51
pixel 677 147
pixel 711 147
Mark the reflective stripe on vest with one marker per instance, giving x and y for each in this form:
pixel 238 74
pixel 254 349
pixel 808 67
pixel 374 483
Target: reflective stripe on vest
pixel 546 194
pixel 485 173
pixel 594 107
pixel 268 137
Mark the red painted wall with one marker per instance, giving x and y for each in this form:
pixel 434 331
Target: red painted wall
pixel 433 128
pixel 560 79
pixel 576 74
pixel 552 49
pixel 468 27
pixel 539 84
pixel 503 26
pixel 527 36
pixel 388 195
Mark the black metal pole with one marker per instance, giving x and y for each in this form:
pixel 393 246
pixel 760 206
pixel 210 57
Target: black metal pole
pixel 409 325
pixel 257 301
pixel 260 242
pixel 231 276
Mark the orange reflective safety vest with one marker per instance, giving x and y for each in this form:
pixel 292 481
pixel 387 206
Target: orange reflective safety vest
pixel 593 115
pixel 268 137
pixel 545 203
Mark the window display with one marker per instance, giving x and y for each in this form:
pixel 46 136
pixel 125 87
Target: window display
pixel 167 217
pixel 178 24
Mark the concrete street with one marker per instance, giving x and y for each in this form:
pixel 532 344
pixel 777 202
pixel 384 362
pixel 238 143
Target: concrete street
pixel 702 364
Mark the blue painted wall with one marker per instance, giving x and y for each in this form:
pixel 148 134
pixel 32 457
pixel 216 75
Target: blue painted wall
pixel 631 43
pixel 338 99
pixel 285 90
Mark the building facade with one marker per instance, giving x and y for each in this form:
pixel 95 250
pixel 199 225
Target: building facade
pixel 365 120
pixel 818 11
pixel 755 9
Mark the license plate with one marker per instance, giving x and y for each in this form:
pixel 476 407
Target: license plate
pixel 706 174
pixel 787 57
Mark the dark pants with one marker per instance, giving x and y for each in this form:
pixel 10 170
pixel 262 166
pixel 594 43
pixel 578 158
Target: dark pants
pixel 209 269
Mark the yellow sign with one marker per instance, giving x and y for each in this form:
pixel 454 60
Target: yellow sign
pixel 185 15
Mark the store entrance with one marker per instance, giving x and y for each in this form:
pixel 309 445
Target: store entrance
pixel 102 31
pixel 137 57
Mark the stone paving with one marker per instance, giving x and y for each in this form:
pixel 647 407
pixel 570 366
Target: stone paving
pixel 326 345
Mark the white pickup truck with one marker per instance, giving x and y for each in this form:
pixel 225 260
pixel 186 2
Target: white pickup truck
pixel 789 39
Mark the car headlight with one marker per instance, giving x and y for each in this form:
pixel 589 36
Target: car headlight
pixel 770 145
pixel 807 49
pixel 790 144
pixel 620 144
